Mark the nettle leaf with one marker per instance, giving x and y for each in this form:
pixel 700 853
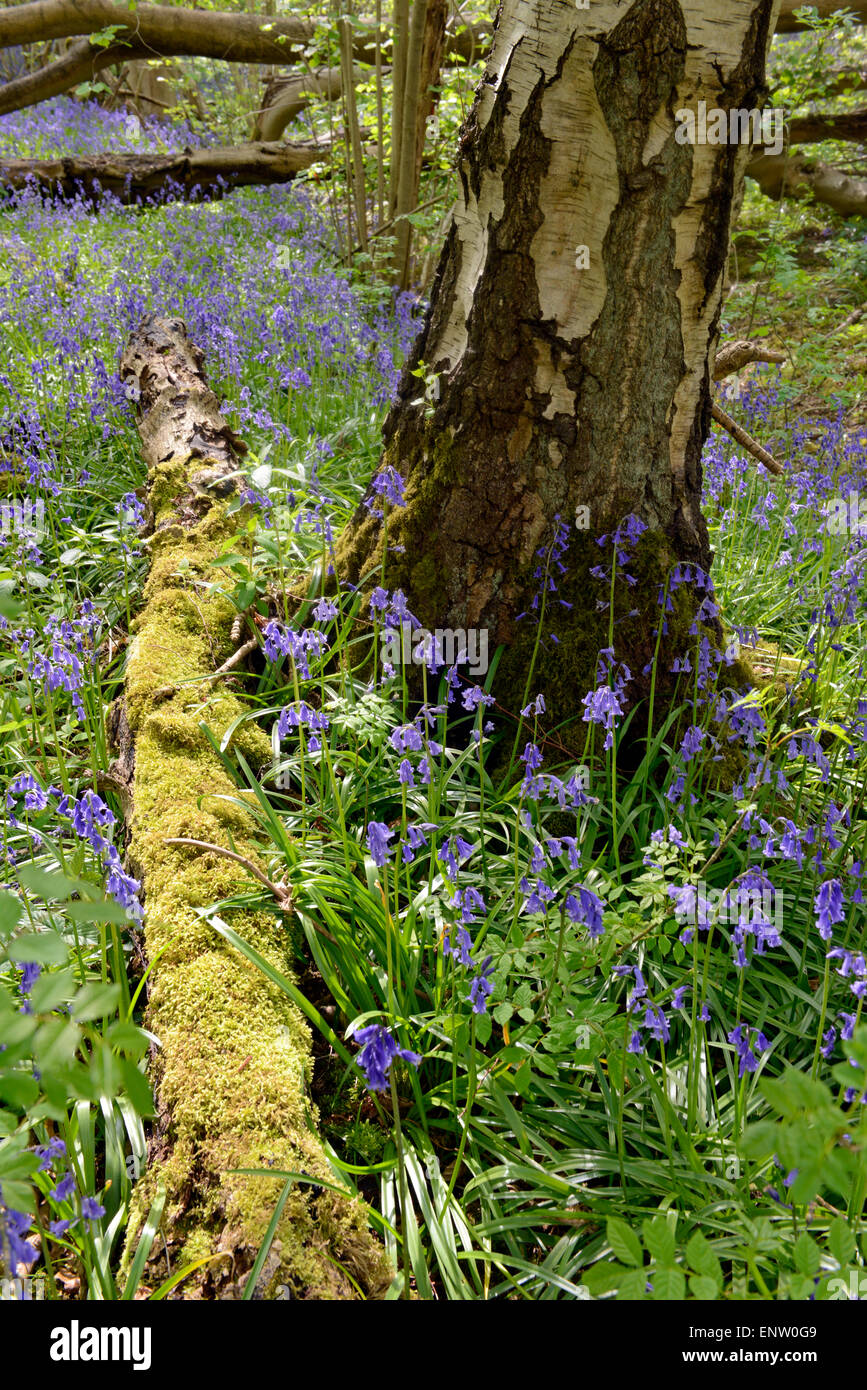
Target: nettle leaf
pixel 633 1287
pixel 95 1001
pixel 624 1243
pixel 794 1091
pixel 11 909
pixel 18 1088
pixel 604 1277
pixel 137 1087
pixel 51 990
pixel 50 885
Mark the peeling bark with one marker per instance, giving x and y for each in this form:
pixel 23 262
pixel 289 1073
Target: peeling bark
pixel 234 1057
pixel 134 178
pixel 562 387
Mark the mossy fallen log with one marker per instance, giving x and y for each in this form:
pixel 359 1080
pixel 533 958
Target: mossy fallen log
pixel 139 178
pixel 234 1058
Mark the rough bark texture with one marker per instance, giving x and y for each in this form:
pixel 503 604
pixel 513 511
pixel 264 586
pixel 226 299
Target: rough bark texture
pixel 561 387
pixel 234 1055
pixel 134 178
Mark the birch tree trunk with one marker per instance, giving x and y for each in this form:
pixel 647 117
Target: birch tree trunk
pixel 553 387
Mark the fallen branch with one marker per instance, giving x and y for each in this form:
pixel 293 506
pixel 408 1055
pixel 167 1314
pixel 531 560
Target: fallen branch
pixel 234 660
pixel 810 130
pixel 286 97
pixel 799 177
pixel 746 441
pixel 281 890
pixel 161 31
pixel 731 358
pixel 135 178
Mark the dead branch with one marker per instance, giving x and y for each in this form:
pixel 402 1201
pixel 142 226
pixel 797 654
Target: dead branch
pixel 135 178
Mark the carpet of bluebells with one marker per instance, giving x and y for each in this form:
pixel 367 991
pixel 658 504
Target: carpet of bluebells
pixel 592 1032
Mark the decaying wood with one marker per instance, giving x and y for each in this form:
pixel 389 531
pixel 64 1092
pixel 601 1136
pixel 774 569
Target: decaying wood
pixel 731 357
pixel 234 1055
pixel 136 178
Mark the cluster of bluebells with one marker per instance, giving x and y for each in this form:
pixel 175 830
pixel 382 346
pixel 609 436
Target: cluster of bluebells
pixel 130 509
pixel 623 540
pixel 649 1019
pixel 61 660
pixel 606 703
pixel 537 785
pixel 305 716
pixel 89 817
pixel 551 566
pixel 283 641
pixel 747 1042
pixel 387 484
pixel 15 1226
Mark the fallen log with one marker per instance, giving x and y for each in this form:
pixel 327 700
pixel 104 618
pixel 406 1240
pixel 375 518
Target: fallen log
pixel 799 177
pixel 234 1052
pixel 137 178
pixel 811 130
pixel 161 31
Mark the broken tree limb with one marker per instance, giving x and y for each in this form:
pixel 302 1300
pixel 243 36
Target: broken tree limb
pixel 235 1051
pixel 135 178
pixel 731 358
pixel 739 353
pixel 746 441
pixel 286 97
pixel 799 177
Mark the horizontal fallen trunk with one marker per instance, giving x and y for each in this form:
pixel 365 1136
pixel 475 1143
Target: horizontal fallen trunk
pixel 234 1052
pixel 154 31
pixel 799 177
pixel 150 31
pixel 845 125
pixel 135 178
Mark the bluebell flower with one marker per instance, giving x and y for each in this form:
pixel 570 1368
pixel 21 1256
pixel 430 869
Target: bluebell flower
pixel 828 907
pixel 379 1049
pixel 378 836
pixel 482 987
